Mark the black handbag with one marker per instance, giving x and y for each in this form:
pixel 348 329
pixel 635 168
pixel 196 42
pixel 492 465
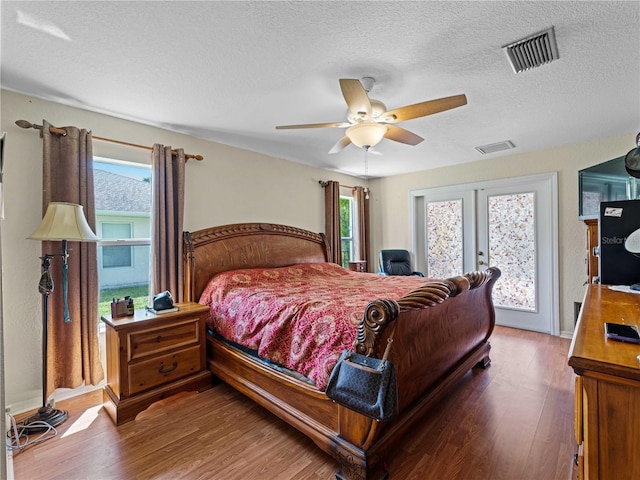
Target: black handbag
pixel 364 384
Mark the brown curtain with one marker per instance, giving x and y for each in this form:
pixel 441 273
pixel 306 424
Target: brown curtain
pixel 332 220
pixel 167 221
pixel 73 354
pixel 361 236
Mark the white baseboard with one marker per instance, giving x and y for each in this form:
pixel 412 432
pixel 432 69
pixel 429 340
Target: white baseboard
pixel 57 396
pixel 566 334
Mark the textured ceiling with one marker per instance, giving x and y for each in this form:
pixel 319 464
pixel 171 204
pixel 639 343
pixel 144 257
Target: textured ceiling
pixel 232 71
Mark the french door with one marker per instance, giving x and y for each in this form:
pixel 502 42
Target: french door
pixel 510 224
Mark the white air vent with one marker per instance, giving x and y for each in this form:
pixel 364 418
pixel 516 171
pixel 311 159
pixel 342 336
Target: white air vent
pixel 496 147
pixel 533 51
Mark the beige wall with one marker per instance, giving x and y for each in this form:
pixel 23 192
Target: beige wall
pixel 391 225
pixel 231 185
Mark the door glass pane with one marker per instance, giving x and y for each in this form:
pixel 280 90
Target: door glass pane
pixel 512 248
pixel 444 239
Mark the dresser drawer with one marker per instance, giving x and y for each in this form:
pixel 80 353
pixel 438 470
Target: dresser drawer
pixel 157 340
pixel 163 369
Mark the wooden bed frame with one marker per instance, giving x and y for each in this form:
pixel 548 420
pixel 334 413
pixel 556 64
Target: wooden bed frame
pixel 442 332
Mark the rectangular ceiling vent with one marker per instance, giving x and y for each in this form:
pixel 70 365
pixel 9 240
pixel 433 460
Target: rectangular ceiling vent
pixel 496 147
pixel 533 51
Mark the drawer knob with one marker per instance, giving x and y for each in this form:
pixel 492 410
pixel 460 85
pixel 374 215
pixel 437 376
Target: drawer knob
pixel 171 369
pixel 159 338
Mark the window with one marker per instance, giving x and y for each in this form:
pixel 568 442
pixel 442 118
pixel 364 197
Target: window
pixel 116 255
pixel 123 219
pixel 346 229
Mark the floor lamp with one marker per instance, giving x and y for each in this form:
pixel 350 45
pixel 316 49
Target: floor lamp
pixel 62 222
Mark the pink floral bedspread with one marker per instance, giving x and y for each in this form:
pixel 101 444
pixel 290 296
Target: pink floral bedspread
pixel 301 316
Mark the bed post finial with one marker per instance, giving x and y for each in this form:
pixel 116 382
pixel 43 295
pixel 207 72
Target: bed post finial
pixel 187 274
pixel 377 315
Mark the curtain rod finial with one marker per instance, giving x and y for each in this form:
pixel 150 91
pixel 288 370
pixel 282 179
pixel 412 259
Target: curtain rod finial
pixel 26 124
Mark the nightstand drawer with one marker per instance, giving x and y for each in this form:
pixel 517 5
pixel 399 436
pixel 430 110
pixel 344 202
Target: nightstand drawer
pixel 164 369
pixel 161 339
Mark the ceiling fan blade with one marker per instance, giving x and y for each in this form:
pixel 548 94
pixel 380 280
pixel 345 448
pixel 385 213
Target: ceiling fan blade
pixel 424 108
pixel 401 135
pixel 356 96
pixel 315 125
pixel 343 142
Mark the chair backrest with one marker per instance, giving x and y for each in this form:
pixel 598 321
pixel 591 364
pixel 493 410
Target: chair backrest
pixel 395 262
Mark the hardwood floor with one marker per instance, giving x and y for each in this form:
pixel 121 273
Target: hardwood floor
pixel 513 420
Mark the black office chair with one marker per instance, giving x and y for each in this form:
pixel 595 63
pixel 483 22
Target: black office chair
pixel 396 262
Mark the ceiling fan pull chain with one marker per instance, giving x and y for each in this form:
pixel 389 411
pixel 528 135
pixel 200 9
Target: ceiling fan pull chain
pixel 366 173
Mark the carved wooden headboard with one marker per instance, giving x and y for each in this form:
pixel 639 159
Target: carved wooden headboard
pixel 246 245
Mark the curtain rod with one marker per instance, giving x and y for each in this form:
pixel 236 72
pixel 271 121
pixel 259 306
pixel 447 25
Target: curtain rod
pixel 62 131
pixel 325 183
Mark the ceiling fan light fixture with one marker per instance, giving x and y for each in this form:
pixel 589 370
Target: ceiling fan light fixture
pixel 365 135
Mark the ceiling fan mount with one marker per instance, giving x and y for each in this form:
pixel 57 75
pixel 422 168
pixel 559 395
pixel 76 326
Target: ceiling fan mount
pixel 369 121
pixel 368 83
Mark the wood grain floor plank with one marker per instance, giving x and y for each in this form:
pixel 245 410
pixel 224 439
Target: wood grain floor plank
pixel 513 420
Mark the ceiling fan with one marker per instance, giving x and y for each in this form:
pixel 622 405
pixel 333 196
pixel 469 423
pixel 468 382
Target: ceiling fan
pixel 369 121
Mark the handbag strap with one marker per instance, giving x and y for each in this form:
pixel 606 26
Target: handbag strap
pixel 389 341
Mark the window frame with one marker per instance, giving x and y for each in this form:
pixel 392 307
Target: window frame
pixel 351 238
pixel 116 242
pixel 103 216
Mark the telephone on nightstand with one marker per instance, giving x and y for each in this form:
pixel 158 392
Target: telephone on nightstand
pixel 163 303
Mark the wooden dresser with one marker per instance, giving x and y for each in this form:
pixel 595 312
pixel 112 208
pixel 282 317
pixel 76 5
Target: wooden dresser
pixel 593 241
pixel 150 357
pixel 607 401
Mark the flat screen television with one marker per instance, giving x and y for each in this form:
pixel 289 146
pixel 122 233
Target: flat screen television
pixel 605 182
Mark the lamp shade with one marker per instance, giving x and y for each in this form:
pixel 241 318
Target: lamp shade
pixel 366 134
pixel 64 221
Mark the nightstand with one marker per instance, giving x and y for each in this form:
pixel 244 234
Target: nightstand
pixel 358 266
pixel 151 357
